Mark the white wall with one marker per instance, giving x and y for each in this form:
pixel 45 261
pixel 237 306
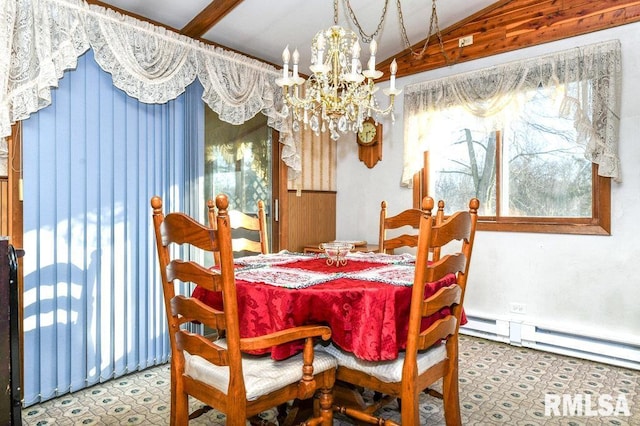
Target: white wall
pixel 572 283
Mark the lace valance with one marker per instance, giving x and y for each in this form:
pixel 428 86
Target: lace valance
pixel 40 39
pixel 589 76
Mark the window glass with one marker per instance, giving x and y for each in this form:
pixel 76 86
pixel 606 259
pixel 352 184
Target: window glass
pixel 238 162
pixel 544 169
pixel 527 165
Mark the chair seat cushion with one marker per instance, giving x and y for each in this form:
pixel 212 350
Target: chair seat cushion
pixel 262 375
pixel 385 371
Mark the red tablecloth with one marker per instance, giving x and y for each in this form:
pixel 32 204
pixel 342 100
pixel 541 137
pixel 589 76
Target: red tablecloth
pixel 366 317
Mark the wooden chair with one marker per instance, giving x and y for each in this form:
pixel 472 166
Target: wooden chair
pixel 430 354
pixel 243 226
pixel 220 373
pixel 410 217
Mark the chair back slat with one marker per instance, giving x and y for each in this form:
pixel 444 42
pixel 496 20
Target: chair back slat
pixel 458 227
pixel 244 225
pixel 406 218
pixel 196 344
pixel 449 264
pixel 437 332
pixel 445 297
pixel 245 244
pixel 242 220
pixel 191 309
pixel 179 228
pixel 195 273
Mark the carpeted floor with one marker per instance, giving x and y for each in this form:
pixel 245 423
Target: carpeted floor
pixel 499 385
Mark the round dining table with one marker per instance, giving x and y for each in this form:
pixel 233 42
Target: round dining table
pixel 365 302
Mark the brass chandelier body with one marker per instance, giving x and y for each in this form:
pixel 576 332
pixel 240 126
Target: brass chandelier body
pixel 340 94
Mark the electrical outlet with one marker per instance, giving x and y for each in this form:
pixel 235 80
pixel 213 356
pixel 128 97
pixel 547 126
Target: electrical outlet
pixel 465 41
pixel 518 308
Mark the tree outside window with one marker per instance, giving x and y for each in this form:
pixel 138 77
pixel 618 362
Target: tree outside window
pixel 530 168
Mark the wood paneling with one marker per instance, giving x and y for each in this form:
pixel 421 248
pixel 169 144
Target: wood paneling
pixel 311 218
pixel 510 25
pixel 319 161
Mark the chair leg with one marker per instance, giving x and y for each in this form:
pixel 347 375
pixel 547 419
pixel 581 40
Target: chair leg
pixel 326 406
pixel 179 401
pixel 181 409
pixel 322 409
pixel 410 413
pixel 451 397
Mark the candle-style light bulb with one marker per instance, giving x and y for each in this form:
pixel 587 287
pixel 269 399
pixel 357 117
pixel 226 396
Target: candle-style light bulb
pixel 355 55
pixel 320 47
pixel 372 59
pixel 285 59
pixel 355 50
pixel 392 80
pixel 296 59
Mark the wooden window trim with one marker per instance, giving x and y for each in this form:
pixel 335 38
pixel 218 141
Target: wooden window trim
pixel 599 224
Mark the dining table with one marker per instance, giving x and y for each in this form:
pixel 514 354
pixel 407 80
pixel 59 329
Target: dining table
pixel 364 299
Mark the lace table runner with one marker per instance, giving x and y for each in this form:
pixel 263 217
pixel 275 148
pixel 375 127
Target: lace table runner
pixel 279 258
pixel 284 277
pixel 381 257
pixel 272 269
pixel 397 274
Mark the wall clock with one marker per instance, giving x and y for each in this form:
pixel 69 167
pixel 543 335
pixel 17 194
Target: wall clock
pixel 370 142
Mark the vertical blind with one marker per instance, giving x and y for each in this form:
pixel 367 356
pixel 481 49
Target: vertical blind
pixel 93 305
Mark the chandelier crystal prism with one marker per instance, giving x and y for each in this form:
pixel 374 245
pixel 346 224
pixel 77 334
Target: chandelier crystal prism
pixel 339 94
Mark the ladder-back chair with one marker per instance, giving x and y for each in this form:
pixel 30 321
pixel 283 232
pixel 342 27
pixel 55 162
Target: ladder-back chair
pixel 220 373
pixel 432 353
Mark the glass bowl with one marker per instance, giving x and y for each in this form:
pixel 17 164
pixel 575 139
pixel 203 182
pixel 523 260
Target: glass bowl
pixel 336 252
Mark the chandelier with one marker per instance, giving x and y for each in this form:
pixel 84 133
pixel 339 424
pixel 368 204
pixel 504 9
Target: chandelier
pixel 339 94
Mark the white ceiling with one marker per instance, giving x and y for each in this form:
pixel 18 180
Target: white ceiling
pixel 261 28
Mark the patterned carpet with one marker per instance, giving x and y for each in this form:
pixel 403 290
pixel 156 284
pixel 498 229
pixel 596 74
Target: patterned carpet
pixel 499 385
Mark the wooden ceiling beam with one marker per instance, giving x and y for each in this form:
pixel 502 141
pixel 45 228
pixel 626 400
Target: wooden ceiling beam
pixel 208 17
pixel 509 25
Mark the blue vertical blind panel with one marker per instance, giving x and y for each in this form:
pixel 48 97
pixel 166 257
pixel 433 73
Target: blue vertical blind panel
pixel 92 161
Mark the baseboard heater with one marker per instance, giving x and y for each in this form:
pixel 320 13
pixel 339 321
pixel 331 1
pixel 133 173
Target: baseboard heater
pixel 487 328
pixel 608 351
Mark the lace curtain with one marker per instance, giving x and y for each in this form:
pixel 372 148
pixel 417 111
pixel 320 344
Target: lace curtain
pixel 40 39
pixel 589 77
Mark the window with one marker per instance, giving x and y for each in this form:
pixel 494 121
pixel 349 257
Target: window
pixel 520 151
pixel 239 163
